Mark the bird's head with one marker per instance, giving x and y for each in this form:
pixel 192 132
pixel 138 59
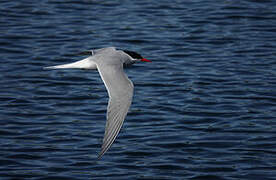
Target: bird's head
pixel 135 56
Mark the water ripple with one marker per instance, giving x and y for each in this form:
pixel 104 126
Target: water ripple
pixel 204 109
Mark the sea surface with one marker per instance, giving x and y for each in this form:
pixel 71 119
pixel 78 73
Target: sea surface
pixel 204 109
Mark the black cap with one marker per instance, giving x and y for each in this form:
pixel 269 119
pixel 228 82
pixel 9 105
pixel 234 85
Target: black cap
pixel 133 54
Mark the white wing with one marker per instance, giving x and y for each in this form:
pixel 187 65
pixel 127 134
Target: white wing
pixel 120 91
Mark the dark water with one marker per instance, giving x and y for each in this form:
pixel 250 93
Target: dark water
pixel 204 109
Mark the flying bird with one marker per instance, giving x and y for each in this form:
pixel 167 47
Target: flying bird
pixel 110 62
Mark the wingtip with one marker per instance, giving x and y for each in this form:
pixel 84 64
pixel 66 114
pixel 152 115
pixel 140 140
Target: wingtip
pixel 100 155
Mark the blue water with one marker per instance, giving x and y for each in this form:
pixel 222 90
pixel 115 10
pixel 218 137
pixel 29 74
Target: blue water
pixel 204 109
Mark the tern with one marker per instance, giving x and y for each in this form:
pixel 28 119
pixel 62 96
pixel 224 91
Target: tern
pixel 110 62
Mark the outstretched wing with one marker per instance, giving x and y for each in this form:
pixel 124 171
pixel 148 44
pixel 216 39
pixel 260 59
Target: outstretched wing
pixel 120 91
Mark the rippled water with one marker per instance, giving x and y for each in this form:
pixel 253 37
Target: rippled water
pixel 204 109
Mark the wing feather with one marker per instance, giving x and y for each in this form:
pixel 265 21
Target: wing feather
pixel 120 91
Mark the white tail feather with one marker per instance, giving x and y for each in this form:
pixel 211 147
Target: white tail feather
pixel 82 64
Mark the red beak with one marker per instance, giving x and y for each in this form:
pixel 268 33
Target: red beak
pixel 146 60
